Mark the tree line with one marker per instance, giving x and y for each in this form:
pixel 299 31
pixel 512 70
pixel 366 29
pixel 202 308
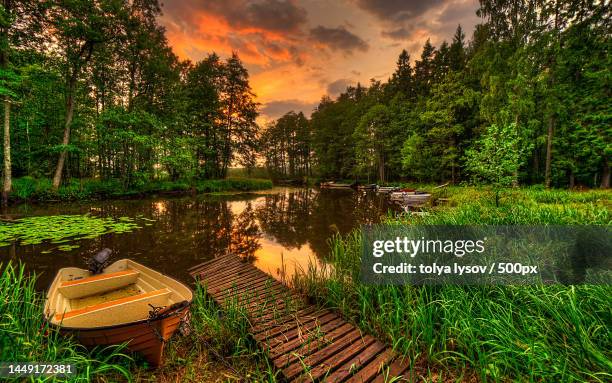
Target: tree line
pixel 526 100
pixel 92 89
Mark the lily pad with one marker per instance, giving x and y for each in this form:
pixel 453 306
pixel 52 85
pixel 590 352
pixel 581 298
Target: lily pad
pixel 61 229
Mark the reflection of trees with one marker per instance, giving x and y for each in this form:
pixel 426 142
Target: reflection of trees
pixel 245 234
pixel 308 216
pixel 285 216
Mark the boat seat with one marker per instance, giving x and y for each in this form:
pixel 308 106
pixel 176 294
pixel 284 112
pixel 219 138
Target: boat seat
pixel 97 284
pixel 123 310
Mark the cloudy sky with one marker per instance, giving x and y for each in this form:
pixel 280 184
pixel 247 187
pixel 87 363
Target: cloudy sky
pixel 296 51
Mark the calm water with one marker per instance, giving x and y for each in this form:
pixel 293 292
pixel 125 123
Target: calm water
pixel 276 228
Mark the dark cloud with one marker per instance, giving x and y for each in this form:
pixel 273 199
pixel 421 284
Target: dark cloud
pixel 275 109
pixel 338 86
pixel 397 10
pixel 398 34
pixel 338 39
pixel 272 15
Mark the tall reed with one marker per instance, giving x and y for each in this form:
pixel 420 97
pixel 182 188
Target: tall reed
pixel 547 333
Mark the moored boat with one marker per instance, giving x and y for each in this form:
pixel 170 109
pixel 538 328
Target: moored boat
pixel 335 185
pixel 124 302
pixel 410 197
pixel 386 189
pixel 366 187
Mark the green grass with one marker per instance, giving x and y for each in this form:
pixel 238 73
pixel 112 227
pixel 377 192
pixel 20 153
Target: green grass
pixel 26 337
pixel 495 333
pixel 31 189
pixel 218 345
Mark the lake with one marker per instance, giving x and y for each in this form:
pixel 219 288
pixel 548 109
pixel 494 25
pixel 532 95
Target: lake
pixel 278 230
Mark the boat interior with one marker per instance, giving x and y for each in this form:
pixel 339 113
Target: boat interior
pixel 124 292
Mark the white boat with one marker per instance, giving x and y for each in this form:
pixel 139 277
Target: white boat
pixel 125 302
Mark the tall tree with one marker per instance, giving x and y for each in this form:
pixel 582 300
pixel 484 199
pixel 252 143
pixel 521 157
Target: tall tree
pixel 239 111
pixel 79 27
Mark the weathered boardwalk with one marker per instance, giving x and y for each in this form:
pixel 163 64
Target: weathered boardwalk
pixel 305 343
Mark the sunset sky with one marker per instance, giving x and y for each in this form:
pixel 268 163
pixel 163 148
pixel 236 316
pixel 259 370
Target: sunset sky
pixel 296 51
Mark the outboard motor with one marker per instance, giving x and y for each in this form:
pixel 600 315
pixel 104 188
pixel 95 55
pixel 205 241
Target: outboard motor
pixel 98 262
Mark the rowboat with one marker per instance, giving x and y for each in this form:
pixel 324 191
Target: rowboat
pixel 124 302
pixel 335 185
pixel 386 189
pixel 410 197
pixel 366 187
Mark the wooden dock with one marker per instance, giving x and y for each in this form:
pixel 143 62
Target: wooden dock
pixel 304 343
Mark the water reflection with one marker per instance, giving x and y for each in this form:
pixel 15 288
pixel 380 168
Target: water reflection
pixel 278 231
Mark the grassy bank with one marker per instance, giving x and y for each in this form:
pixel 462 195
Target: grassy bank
pixel 491 333
pixel 31 189
pixel 217 350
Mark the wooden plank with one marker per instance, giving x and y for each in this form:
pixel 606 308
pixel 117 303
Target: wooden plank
pixel 211 280
pixel 231 271
pixel 373 368
pixel 218 267
pixel 253 303
pixel 335 360
pixel 243 280
pixel 297 331
pixel 242 293
pixel 252 284
pixel 255 329
pixel 287 353
pixel 260 284
pixel 263 310
pixel 194 269
pixel 317 357
pixel 232 275
pixel 286 331
pixel 397 369
pixel 355 363
pixel 256 298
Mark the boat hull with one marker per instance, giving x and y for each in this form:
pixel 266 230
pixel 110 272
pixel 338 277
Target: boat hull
pixel 143 337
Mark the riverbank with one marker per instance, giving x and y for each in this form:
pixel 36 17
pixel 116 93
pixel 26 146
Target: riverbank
pixel 27 189
pixel 487 333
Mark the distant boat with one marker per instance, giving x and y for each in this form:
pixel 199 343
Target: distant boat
pixel 125 302
pixel 411 198
pixel 335 185
pixel 386 189
pixel 367 187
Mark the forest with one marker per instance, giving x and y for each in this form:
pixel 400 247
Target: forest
pixel 526 100
pixel 91 89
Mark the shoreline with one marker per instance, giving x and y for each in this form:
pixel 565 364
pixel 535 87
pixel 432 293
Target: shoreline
pixel 38 191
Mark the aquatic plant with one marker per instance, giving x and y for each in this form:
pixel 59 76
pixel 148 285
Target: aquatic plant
pixel 61 229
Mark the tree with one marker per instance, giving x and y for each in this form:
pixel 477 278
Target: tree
pixel 401 80
pixel 456 52
pixel 497 156
pixel 238 111
pixel 79 26
pixel 375 140
pixel 424 69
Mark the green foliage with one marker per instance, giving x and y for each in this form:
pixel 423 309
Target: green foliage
pixel 28 188
pixel 498 155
